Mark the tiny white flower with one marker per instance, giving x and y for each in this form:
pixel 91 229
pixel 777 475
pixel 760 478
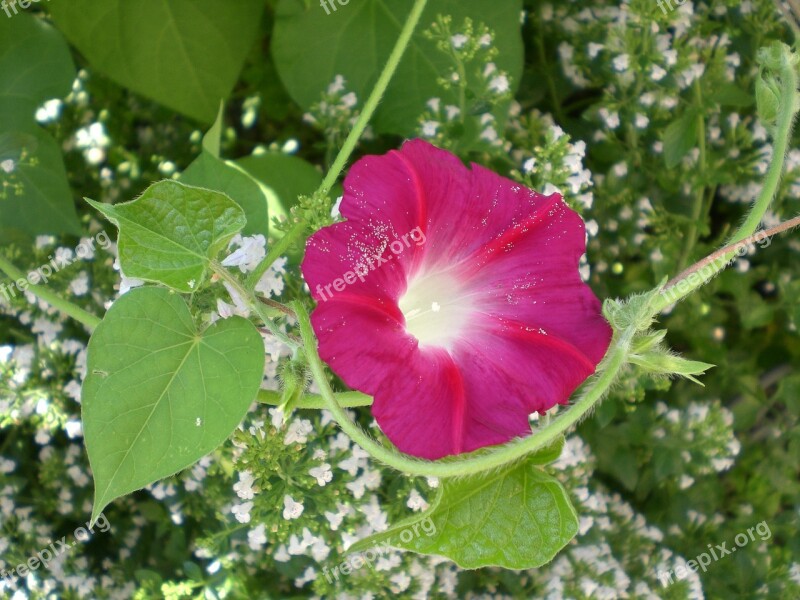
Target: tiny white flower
pixel 242 511
pixel 257 537
pixel 350 100
pixel 244 487
pixel 322 474
pixel 594 49
pixel 657 73
pixel 499 84
pixel 459 40
pixel 429 128
pixel 291 509
pixel 621 62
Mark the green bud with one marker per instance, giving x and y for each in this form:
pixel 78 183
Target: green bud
pixel 294 377
pixel 767 98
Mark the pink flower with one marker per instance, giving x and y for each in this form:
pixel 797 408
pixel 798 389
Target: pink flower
pixel 452 295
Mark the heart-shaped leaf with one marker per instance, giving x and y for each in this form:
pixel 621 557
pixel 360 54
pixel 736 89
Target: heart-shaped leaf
pixel 172 232
pixel 518 517
pixel 311 45
pixel 159 394
pixel 186 54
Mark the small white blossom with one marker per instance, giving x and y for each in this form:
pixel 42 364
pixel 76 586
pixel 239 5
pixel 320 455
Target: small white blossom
pixel 291 509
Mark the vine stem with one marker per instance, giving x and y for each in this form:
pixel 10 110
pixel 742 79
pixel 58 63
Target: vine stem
pixel 43 293
pixel 375 96
pixel 350 141
pixel 465 465
pixel 783 133
pixel 278 248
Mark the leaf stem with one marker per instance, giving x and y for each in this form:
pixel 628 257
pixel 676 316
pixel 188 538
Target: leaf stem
pixel 43 293
pixel 315 401
pixel 726 253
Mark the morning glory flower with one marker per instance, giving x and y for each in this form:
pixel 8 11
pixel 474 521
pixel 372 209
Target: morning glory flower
pixel 452 295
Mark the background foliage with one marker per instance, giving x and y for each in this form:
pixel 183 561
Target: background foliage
pixel 644 118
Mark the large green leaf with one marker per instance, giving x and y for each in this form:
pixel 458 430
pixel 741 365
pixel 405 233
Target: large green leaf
pixel 518 517
pixel 44 203
pixel 311 47
pixel 186 54
pixel 159 394
pixel 172 232
pixel 35 66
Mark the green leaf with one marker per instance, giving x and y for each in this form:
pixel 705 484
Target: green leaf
pixel 213 137
pixel 158 394
pixel 518 517
pixel 311 47
pixel 730 94
pixel 661 361
pixel 44 204
pixel 680 137
pixel 185 54
pixel 228 178
pixel 284 177
pixel 35 66
pixel 211 172
pixel 172 232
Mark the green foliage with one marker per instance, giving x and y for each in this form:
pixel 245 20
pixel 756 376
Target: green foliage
pixel 212 172
pixel 186 54
pixel 311 47
pixel 35 179
pixel 172 233
pixel 517 518
pixel 192 389
pixel 656 126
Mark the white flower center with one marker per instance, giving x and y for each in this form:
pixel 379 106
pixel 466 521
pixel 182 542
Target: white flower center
pixel 436 308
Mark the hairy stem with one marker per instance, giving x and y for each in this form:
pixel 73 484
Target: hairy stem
pixel 466 465
pixel 783 133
